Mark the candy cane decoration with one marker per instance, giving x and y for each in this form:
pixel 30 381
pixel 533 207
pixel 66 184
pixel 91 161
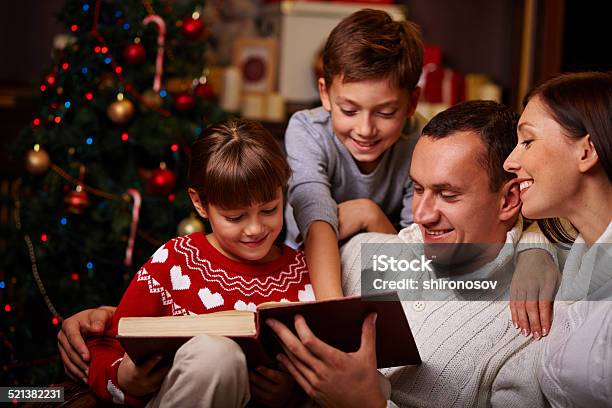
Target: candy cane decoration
pixel 135 194
pixel 161 38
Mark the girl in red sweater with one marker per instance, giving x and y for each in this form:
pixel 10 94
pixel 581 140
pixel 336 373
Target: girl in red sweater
pixel 237 180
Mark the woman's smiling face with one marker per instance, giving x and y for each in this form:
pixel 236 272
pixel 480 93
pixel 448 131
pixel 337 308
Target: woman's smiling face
pixel 545 162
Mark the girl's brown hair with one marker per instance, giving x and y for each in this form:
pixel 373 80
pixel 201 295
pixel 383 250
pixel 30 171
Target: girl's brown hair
pixel 236 163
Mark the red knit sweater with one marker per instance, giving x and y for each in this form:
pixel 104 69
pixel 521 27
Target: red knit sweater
pixel 187 275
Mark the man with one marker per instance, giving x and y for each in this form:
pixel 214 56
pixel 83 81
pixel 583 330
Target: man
pixel 472 355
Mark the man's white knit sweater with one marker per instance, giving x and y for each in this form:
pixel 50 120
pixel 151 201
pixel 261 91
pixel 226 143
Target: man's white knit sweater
pixel 472 354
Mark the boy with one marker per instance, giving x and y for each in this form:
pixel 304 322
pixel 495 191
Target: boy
pixel 351 157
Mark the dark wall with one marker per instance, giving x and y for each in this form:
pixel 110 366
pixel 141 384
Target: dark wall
pixel 587 36
pixel 27 28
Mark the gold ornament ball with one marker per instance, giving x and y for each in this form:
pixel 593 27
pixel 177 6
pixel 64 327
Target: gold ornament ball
pixel 37 161
pixel 120 112
pixel 152 99
pixel 189 225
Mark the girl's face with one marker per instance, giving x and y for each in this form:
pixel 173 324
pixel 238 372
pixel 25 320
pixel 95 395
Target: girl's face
pixel 546 163
pixel 245 234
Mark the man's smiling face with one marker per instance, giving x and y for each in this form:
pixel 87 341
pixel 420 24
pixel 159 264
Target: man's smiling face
pixel 453 203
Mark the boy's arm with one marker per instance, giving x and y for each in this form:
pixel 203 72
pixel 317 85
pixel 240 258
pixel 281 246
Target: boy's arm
pixel 534 283
pixel 406 213
pixel 310 155
pixel 361 215
pixel 323 259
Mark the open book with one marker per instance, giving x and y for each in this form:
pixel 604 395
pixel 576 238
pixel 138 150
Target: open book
pixel 337 322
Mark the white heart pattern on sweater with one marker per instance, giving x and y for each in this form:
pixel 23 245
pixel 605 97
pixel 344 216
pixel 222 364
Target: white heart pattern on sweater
pixel 160 255
pixel 241 305
pixel 306 294
pixel 179 281
pixel 210 300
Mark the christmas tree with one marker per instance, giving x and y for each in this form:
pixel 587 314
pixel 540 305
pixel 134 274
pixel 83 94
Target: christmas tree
pixel 106 159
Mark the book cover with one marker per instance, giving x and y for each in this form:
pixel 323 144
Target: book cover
pixel 337 322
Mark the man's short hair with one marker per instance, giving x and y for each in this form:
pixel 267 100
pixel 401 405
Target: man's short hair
pixel 369 45
pixel 494 123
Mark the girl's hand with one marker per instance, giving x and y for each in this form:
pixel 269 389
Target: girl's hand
pixel 532 291
pixel 270 387
pixel 143 379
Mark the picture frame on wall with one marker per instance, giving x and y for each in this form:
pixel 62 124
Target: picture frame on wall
pixel 257 59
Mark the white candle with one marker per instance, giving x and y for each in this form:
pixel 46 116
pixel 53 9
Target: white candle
pixel 275 107
pixel 232 84
pixel 491 92
pixel 253 106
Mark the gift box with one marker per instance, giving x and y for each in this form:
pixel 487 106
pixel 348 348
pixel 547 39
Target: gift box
pixel 439 84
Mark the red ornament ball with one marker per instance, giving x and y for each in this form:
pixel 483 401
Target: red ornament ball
pixel 134 54
pixel 205 91
pixel 184 102
pixel 162 182
pixel 76 201
pixel 50 79
pixel 192 28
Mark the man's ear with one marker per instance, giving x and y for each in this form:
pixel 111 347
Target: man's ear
pixel 413 100
pixel 197 203
pixel 588 157
pixel 510 203
pixel 324 95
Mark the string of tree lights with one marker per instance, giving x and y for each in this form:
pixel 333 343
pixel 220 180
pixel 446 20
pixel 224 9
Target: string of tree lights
pixel 106 157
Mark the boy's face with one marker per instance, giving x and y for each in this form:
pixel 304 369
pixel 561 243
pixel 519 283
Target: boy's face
pixel 367 116
pixel 244 234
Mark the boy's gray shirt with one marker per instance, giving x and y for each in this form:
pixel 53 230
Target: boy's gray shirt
pixel 325 174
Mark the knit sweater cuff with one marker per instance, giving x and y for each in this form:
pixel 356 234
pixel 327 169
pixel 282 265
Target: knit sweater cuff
pixel 304 223
pixel 533 238
pixel 118 395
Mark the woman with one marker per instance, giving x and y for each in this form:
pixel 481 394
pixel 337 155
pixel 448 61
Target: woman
pixel 563 161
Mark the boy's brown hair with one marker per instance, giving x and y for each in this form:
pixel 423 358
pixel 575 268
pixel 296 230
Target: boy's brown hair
pixel 236 163
pixel 368 45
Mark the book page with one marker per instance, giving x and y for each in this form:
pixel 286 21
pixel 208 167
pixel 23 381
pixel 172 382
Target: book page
pixel 226 323
pixel 268 305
